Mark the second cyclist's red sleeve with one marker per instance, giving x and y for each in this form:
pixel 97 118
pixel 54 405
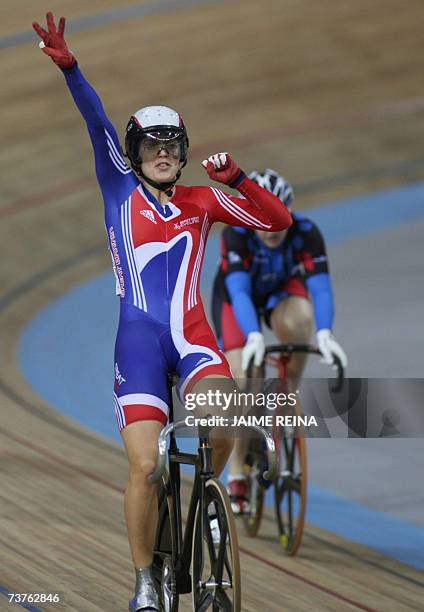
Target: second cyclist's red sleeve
pixel 258 208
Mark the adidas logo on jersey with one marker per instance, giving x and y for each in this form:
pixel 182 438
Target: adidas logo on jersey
pixel 149 215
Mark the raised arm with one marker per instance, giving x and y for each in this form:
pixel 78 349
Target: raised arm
pixel 116 179
pixel 258 208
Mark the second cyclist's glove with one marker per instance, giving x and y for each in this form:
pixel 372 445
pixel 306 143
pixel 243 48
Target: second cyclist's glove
pixel 329 346
pixel 254 348
pixel 53 42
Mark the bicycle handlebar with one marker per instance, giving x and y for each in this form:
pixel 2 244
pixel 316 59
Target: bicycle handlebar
pixel 157 473
pixel 291 348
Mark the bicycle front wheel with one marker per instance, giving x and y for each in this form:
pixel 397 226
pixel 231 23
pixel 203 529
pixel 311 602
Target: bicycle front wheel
pixel 215 556
pixel 164 553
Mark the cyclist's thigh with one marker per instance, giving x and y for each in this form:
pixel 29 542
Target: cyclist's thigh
pixel 234 360
pixel 230 337
pixel 229 334
pixel 141 369
pixel 199 355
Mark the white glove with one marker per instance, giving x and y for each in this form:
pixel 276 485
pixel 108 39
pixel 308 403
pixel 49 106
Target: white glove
pixel 329 347
pixel 254 347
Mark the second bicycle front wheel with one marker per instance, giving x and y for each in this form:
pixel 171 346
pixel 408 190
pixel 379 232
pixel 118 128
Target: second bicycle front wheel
pixel 290 490
pixel 215 557
pixel 256 464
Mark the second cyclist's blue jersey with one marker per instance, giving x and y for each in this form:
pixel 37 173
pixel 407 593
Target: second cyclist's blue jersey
pixel 254 277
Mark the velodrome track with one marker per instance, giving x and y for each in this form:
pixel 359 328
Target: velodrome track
pixel 329 94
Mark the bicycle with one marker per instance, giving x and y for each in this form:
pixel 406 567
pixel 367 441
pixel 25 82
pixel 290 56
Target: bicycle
pixel 215 579
pixel 290 482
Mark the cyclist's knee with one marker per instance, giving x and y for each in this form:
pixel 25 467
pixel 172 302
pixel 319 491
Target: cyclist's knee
pixel 299 327
pixel 141 469
pixel 293 320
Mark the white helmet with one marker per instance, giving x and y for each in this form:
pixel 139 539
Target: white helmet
pixel 275 183
pixel 155 122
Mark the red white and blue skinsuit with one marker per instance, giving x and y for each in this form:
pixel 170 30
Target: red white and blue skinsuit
pixel 157 254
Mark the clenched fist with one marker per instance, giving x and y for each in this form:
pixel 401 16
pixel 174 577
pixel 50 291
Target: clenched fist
pixel 222 168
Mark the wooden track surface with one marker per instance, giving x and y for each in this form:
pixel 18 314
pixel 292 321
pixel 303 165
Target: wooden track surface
pixel 62 530
pixel 328 92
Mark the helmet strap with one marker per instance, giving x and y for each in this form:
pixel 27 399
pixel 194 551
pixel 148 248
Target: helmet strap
pixel 165 187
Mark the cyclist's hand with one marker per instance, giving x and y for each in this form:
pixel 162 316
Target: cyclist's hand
pixel 222 168
pixel 328 346
pixel 53 43
pixel 254 347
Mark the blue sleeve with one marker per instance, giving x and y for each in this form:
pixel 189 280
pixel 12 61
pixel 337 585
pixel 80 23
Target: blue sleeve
pixel 319 287
pixel 239 287
pixel 115 178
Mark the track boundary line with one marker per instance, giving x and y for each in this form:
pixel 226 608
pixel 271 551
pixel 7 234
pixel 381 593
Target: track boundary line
pixel 55 422
pixel 349 553
pixel 35 280
pixel 21 290
pixel 306 580
pixel 63 462
pixel 107 17
pixel 62 190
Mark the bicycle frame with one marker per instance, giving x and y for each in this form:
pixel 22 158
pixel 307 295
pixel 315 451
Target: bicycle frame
pixel 203 471
pixel 170 541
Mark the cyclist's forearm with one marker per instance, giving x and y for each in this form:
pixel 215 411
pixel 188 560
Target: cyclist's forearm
pixel 319 287
pixel 115 178
pixel 239 287
pixel 245 313
pixel 257 209
pixel 86 99
pixel 274 212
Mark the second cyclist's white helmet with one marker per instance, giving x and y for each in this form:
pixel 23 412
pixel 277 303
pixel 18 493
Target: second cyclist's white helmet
pixel 275 183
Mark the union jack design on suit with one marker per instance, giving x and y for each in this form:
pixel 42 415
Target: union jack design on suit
pixel 157 253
